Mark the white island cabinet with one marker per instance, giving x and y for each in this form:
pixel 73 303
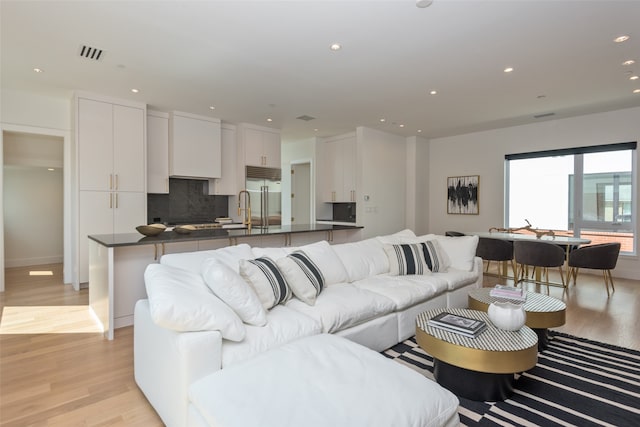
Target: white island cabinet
pixel 194 146
pixel 109 138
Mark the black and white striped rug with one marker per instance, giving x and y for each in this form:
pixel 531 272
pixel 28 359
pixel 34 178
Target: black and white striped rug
pixel 577 382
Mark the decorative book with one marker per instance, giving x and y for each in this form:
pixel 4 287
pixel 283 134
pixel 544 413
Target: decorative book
pixel 509 292
pixel 458 324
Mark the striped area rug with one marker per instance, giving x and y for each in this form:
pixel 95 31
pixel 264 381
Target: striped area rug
pixel 577 382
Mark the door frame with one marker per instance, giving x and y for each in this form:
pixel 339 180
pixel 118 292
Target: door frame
pixel 312 186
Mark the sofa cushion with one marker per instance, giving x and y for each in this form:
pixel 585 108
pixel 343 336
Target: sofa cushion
pixel 405 291
pixel 461 250
pixel 283 325
pixel 273 253
pixel 397 238
pixel 362 259
pixel 327 261
pixel 227 284
pixel 457 278
pixel 343 305
pixel 406 259
pixel 181 301
pixel 267 280
pixel 303 276
pixel 192 261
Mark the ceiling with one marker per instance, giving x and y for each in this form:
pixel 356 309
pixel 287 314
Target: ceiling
pixel 261 60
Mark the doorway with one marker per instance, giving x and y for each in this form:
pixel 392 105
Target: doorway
pixel 301 193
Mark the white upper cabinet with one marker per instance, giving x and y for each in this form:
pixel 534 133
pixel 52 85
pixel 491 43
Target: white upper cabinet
pixel 157 152
pixel 226 184
pixel 260 145
pixel 338 170
pixel 110 144
pixel 194 146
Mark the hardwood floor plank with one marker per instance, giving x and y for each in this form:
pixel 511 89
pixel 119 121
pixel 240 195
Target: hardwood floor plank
pixel 81 379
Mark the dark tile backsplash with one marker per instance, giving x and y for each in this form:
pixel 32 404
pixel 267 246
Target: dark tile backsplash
pixel 188 202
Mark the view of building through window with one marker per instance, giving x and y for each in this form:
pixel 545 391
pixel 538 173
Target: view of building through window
pixel 546 189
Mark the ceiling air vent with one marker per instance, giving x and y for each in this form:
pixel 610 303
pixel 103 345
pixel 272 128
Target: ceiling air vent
pixel 305 118
pixel 539 116
pixel 89 52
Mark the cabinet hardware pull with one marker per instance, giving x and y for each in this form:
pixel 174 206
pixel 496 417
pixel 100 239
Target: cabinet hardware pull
pixel 110 200
pixel 116 200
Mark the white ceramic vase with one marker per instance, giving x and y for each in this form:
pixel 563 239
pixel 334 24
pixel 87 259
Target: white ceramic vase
pixel 507 315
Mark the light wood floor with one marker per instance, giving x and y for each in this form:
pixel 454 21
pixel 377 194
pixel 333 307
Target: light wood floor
pixel 80 379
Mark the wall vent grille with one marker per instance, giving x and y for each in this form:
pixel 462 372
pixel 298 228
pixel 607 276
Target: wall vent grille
pixel 92 53
pixel 305 118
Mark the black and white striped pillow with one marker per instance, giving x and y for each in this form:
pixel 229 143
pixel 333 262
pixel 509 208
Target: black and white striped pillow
pixel 267 280
pixel 303 275
pixel 406 259
pixel 434 256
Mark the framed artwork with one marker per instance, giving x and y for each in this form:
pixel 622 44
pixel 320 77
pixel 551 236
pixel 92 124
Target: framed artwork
pixel 462 195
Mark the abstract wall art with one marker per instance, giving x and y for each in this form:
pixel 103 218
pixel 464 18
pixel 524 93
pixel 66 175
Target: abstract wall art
pixel 462 195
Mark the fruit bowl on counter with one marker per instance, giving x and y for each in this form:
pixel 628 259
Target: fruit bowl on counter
pixel 151 229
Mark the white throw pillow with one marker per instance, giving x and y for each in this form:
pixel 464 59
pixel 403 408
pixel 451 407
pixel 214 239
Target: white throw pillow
pixel 234 291
pixel 397 238
pixel 267 280
pixel 273 253
pixel 406 259
pixel 327 261
pixel 231 255
pixel 303 276
pixel 436 258
pixel 363 259
pixel 461 250
pixel 180 300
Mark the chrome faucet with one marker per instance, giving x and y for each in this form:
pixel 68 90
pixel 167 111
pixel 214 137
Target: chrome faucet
pixel 246 218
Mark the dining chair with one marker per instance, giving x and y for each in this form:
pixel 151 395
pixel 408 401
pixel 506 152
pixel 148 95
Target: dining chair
pixel 541 255
pixel 603 257
pixel 496 250
pixel 453 233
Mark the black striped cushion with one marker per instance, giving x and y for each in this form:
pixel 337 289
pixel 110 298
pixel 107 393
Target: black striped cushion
pixel 303 276
pixel 433 256
pixel 267 280
pixel 406 259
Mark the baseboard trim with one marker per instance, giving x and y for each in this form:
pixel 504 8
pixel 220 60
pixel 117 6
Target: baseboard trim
pixel 27 262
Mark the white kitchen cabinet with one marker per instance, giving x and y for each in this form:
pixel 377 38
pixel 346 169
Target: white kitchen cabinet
pixel 194 146
pixel 226 185
pixel 259 145
pixel 338 179
pixel 157 152
pixel 110 143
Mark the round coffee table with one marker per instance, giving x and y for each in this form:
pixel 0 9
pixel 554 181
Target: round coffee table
pixel 543 311
pixel 480 368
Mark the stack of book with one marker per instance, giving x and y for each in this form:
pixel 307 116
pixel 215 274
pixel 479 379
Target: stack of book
pixel 458 324
pixel 508 292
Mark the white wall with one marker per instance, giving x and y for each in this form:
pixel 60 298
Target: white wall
pixel 482 153
pixel 382 178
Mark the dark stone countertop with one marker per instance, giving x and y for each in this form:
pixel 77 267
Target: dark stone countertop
pixel 137 239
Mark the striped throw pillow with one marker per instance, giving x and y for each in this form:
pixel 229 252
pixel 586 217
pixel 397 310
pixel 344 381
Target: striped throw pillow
pixel 267 280
pixel 303 276
pixel 434 256
pixel 406 259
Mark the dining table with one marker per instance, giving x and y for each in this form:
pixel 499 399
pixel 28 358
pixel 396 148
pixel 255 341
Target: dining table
pixel 567 242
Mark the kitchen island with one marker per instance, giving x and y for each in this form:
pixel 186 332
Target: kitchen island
pixel 117 261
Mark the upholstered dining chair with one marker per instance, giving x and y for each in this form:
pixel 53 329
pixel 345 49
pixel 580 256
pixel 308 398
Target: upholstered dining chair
pixel 453 233
pixel 496 250
pixel 603 257
pixel 538 254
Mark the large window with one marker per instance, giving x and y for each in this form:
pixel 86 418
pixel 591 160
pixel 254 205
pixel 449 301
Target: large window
pixel 587 192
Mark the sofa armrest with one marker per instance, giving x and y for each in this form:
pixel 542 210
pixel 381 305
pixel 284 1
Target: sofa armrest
pixel 167 362
pixel 478 268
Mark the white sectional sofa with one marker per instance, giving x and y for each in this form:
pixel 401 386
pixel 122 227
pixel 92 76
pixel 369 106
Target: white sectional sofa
pixel 206 310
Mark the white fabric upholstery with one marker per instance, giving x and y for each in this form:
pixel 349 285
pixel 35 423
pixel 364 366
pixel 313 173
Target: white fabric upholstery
pixel 396 238
pixel 343 305
pixel 283 325
pixel 406 259
pixel 404 291
pixel 227 284
pixel 273 253
pixel 192 261
pixel 457 278
pixel 363 259
pixel 181 301
pixel 327 261
pixel 461 250
pixel 304 277
pixel 267 281
pixel 322 381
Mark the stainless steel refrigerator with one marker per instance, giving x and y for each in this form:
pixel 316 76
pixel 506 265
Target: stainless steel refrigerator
pixel 264 187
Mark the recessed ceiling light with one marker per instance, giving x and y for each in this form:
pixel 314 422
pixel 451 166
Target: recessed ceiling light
pixel 315 130
pixel 636 91
pixel 135 90
pixel 383 120
pixel 211 107
pixel 634 78
pixel 419 130
pixel 269 119
pixel 50 169
pixel 401 125
pixel 433 92
pixel 629 62
pixel 508 69
pixel 38 70
pixel 335 46
pixel 621 39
